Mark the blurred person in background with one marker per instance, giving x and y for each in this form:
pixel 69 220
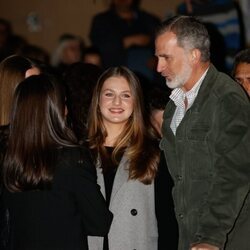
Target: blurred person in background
pixel 70 50
pixel 13 70
pixel 241 69
pixel 226 16
pixel 5 36
pixel 124 35
pixel 80 80
pixel 156 101
pixel 92 55
pixel 35 52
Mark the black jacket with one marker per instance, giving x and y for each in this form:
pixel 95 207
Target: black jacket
pixel 59 218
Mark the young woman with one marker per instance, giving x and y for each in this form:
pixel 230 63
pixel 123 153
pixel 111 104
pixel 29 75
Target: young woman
pixel 127 158
pixel 50 193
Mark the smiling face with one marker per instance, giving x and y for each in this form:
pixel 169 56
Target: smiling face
pixel 174 62
pixel 116 101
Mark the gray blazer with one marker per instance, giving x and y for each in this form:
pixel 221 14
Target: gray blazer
pixel 132 203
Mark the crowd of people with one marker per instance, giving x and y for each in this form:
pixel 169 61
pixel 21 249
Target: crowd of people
pixel 146 149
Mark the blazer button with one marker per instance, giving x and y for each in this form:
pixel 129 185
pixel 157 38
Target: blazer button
pixel 181 216
pixel 133 212
pixel 179 177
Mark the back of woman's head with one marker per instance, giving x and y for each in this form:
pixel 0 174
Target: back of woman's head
pixel 39 108
pixel 37 127
pixel 12 72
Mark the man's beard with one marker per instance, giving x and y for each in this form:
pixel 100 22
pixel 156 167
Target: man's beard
pixel 179 80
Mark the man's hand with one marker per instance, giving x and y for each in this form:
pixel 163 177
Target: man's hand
pixel 204 246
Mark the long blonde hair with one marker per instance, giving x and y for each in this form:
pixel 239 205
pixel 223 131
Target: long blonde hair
pixel 137 137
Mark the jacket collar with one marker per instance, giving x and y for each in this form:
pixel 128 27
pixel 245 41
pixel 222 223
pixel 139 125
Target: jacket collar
pixel 204 92
pixel 121 177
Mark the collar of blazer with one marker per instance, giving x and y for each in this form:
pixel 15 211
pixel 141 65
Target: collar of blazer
pixel 121 177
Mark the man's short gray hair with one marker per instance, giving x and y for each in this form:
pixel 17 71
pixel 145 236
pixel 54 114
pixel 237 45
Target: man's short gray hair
pixel 190 32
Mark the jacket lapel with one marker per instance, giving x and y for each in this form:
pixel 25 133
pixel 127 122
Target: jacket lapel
pixel 100 179
pixel 121 177
pixel 203 94
pixel 205 88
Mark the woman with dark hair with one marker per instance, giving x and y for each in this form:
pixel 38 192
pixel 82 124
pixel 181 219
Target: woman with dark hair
pixel 50 190
pixel 125 148
pixel 13 70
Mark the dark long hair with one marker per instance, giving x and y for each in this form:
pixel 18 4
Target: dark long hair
pixel 37 128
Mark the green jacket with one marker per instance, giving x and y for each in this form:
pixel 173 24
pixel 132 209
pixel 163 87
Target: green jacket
pixel 209 160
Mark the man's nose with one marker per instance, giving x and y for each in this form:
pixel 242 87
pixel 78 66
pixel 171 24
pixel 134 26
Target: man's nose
pixel 160 66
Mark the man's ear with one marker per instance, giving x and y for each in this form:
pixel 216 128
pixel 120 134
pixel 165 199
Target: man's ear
pixel 195 55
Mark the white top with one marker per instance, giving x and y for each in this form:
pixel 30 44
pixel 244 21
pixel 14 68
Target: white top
pixel 178 96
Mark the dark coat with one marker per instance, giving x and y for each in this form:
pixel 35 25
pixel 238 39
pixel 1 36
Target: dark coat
pixel 62 217
pixel 209 161
pixel 107 34
pixel 164 208
pixel 4 218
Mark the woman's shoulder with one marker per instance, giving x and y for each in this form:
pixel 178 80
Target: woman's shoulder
pixel 74 159
pixel 76 153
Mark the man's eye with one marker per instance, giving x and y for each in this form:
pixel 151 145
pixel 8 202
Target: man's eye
pixel 167 58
